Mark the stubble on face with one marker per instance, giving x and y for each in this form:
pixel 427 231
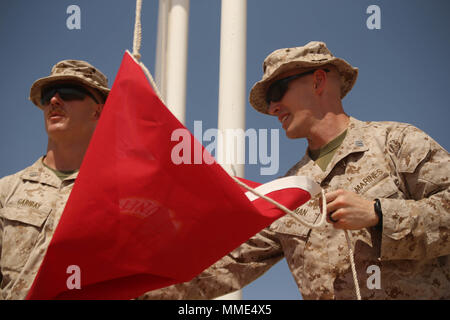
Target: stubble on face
pixel 66 119
pixel 295 110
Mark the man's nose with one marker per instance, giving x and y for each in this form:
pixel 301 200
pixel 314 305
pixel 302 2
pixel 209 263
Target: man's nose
pixel 55 100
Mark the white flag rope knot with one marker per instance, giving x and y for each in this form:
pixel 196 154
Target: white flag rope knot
pixel 283 183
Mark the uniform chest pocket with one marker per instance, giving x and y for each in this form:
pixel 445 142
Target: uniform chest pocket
pixel 21 229
pixel 385 188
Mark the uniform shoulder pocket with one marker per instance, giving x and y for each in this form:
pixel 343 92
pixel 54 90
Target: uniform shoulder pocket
pixel 414 148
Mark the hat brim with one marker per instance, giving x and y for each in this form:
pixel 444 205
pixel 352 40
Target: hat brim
pixel 35 91
pixel 348 74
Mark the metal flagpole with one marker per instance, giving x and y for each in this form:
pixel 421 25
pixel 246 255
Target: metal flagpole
pixel 232 91
pixel 161 46
pixel 176 58
pixel 233 36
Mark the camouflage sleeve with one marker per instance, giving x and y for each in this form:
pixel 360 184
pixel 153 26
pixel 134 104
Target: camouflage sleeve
pixel 417 228
pixel 6 184
pixel 234 271
pixel 2 202
pixel 1 246
pixel 2 191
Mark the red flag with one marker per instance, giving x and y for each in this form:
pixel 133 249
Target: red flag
pixel 136 221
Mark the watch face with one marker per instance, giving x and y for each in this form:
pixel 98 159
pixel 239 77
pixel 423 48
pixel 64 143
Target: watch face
pixel 377 207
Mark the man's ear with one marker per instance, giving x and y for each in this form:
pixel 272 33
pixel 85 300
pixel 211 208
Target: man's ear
pixel 320 80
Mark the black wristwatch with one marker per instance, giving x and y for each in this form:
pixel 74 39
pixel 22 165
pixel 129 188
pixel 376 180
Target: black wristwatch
pixel 377 207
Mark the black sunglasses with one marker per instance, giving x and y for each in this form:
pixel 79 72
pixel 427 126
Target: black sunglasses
pixel 66 91
pixel 277 89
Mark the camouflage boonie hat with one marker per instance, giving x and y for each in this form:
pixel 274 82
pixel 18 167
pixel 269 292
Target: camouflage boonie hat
pixel 310 56
pixel 71 70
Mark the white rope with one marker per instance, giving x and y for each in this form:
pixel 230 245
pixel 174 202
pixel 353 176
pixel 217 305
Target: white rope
pixel 152 82
pixel 137 31
pixel 352 264
pixel 137 39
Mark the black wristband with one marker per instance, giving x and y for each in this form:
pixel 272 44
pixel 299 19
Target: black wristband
pixel 377 207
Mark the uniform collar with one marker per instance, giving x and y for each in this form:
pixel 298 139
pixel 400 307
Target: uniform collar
pixel 37 172
pixel 354 142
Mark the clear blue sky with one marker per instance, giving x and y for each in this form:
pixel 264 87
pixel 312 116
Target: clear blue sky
pixel 404 68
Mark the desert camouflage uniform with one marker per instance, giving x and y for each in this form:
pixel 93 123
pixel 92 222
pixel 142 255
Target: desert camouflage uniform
pixel 397 163
pixel 31 204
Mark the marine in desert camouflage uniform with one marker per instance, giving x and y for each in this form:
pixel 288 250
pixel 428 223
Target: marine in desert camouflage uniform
pixel 358 162
pixel 32 200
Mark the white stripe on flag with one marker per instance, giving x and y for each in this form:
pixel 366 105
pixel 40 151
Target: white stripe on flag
pixel 300 182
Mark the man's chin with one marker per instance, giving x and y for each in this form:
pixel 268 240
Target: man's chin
pixel 56 129
pixel 293 135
